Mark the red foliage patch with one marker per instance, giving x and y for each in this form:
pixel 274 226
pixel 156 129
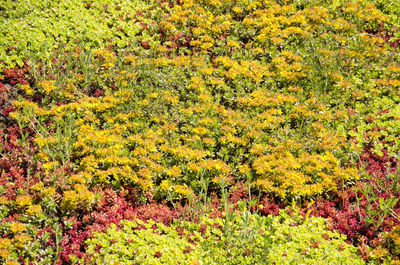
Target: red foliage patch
pixel 347 211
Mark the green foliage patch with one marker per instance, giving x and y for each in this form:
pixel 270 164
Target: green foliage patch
pixel 37 27
pixel 247 239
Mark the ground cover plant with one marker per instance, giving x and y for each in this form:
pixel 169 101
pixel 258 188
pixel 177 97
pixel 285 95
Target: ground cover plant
pixel 247 239
pixel 216 132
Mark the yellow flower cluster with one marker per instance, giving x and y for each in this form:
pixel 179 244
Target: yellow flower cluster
pixel 106 57
pixel 23 200
pixel 79 195
pixel 307 175
pixel 47 86
pixel 17 227
pixel 231 89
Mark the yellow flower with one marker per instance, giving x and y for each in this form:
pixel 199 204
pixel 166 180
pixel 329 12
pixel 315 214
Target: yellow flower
pixel 175 171
pixel 5 253
pixel 232 44
pixel 34 209
pixel 244 169
pixel 167 26
pixel 130 59
pixel 28 90
pixel 145 184
pixel 3 200
pixel 105 55
pixel 172 99
pixel 23 200
pixel 204 97
pixel 200 130
pixel 19 240
pixel 50 165
pixel 237 10
pixel 209 141
pixel 108 65
pixel 221 179
pixel 79 195
pixel 43 157
pixel 194 167
pixel 198 32
pixel 257 50
pixel 165 185
pixel 48 192
pixel 47 86
pixel 195 262
pixel 17 227
pixel 206 45
pixel 37 187
pixel 183 190
pixel 5 243
pixel 80 178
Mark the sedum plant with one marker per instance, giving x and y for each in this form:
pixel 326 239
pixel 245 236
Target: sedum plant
pixel 253 239
pixel 162 100
pixel 37 27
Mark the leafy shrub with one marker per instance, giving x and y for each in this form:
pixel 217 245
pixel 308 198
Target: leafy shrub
pixel 248 239
pixel 37 27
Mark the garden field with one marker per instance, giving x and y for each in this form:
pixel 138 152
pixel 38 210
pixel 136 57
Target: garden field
pixel 199 132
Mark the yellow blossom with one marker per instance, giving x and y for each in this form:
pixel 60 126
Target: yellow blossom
pixel 165 185
pixel 5 253
pixel 48 192
pixel 34 209
pixel 183 190
pixel 17 227
pixel 4 200
pixel 5 243
pixel 23 200
pixel 175 171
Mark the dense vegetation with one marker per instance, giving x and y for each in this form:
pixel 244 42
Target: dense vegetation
pixel 199 132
